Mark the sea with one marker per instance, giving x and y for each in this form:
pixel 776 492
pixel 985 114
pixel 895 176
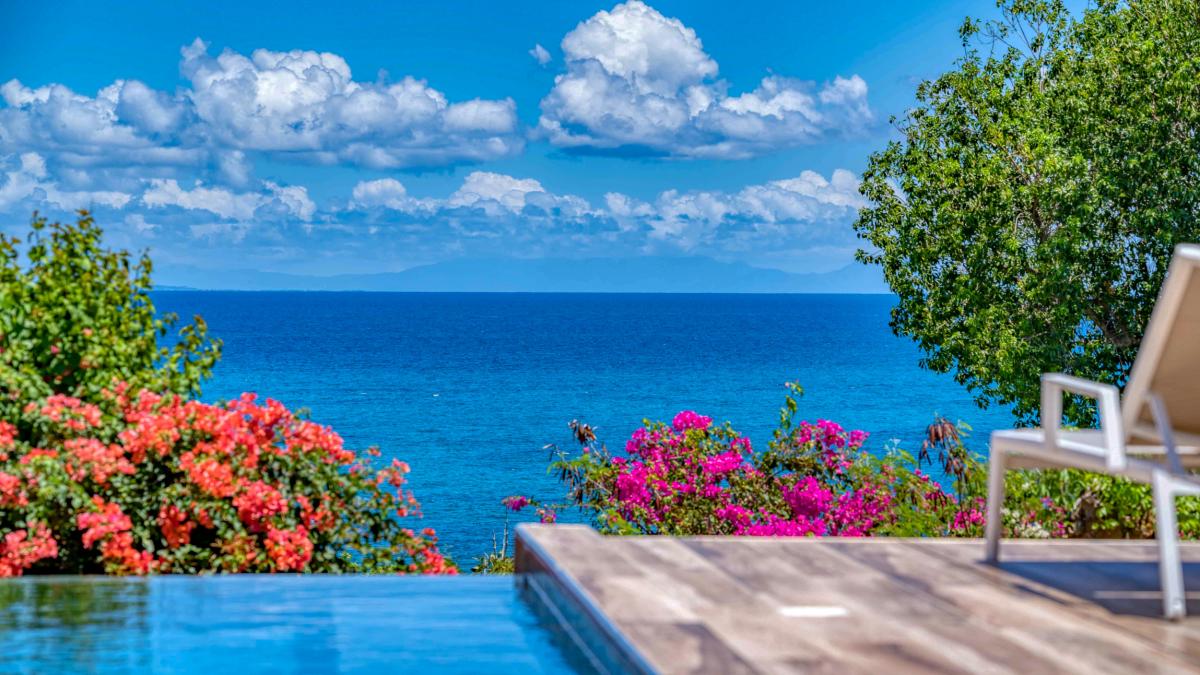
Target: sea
pixel 470 388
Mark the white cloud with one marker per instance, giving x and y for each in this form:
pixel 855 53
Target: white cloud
pixel 126 123
pixel 635 43
pixel 493 194
pixel 274 202
pixel 387 193
pixel 487 214
pixel 27 185
pixel 218 201
pixel 297 105
pixel 637 81
pixel 494 191
pixel 294 200
pixel 307 104
pixel 807 207
pixel 540 54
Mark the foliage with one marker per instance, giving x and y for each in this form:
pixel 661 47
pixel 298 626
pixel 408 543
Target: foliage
pixel 692 477
pixel 1074 503
pixel 816 479
pixel 151 483
pixel 1026 215
pixel 77 317
pixel 107 466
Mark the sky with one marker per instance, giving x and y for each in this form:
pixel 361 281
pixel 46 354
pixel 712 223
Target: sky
pixel 354 137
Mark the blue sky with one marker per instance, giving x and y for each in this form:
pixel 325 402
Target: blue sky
pixel 324 138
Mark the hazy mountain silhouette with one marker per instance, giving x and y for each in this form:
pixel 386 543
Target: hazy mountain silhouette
pixel 606 275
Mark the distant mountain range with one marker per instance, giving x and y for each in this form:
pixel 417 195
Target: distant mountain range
pixel 604 275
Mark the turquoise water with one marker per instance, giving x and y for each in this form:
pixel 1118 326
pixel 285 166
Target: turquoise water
pixel 469 387
pixel 265 624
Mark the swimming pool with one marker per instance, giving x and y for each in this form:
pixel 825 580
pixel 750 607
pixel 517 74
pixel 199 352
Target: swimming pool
pixel 274 624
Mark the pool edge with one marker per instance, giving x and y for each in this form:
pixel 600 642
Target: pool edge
pixel 561 596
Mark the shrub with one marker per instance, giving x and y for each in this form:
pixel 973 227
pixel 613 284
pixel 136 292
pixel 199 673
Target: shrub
pixel 691 477
pixel 1073 503
pixel 107 466
pixel 75 317
pixel 151 483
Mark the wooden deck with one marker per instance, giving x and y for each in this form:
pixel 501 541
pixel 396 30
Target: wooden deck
pixel 726 605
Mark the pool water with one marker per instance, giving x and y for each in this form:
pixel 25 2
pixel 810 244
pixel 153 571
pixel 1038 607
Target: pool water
pixel 274 624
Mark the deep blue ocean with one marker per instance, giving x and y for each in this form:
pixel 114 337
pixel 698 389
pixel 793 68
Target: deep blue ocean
pixel 468 388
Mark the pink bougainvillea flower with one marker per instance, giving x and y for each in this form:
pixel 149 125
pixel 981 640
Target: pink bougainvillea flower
pixel 690 420
pixel 515 502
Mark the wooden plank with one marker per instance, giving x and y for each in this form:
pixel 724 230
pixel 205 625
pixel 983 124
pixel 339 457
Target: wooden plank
pixel 714 604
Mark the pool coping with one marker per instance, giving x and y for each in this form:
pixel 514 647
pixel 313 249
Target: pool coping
pixel 560 594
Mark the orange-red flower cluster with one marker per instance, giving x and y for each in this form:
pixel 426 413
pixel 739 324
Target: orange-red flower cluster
pixel 88 457
pixel 239 486
pixel 258 503
pixel 111 527
pixel 290 550
pixel 71 412
pixel 20 550
pixel 12 492
pixel 176 525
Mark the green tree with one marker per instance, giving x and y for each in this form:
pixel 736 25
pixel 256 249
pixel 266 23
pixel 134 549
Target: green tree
pixel 1027 212
pixel 75 316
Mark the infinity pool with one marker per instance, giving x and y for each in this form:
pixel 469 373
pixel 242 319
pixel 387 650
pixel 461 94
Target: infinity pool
pixel 273 624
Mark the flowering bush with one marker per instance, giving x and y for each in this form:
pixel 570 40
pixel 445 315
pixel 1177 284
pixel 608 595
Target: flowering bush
pixel 75 317
pixel 692 477
pixel 149 483
pixel 107 466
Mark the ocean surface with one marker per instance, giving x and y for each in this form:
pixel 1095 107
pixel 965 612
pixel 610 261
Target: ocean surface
pixel 468 388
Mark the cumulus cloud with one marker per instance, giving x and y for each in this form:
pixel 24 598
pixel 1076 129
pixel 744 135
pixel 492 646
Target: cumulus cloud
pixel 300 105
pixel 490 194
pixel 387 193
pixel 125 124
pixel 540 54
pixel 27 185
pixel 639 82
pixel 277 201
pixel 306 103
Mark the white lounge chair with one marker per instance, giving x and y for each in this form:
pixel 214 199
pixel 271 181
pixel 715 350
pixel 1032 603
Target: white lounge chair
pixel 1152 437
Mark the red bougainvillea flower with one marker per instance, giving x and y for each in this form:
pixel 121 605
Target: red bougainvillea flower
pixel 90 458
pixel 176 525
pixel 241 486
pixel 8 436
pixel 19 549
pixel 210 475
pixel 12 492
pixel 289 550
pixel 257 503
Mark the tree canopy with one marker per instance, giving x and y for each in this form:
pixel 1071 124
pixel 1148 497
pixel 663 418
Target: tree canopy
pixel 1027 211
pixel 76 317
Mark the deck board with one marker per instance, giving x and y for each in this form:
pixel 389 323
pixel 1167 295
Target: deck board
pixel 712 604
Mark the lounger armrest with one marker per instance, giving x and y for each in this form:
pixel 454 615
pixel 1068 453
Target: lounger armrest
pixel 1108 401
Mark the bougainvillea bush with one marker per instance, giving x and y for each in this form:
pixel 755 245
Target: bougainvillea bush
pixel 150 483
pixel 692 477
pixel 108 463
